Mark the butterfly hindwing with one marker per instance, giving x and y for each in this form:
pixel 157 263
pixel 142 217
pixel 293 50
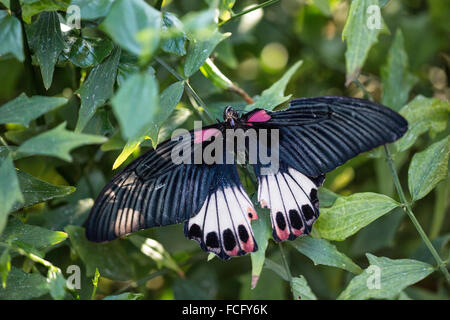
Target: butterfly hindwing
pixel 292 199
pixel 222 225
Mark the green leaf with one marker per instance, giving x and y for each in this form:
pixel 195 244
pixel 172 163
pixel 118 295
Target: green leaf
pixel 97 89
pixel 168 101
pixel 428 168
pixel 11 36
pixel 349 214
pixel 320 251
pixel 23 286
pixel 10 194
pixel 58 142
pixel 301 290
pixel 127 19
pixel 111 258
pixel 33 7
pixel 423 114
pixel 93 9
pixel 155 251
pixel 395 275
pixel 136 103
pixel 175 44
pixel 37 237
pixel 200 50
pixel 23 109
pixel 70 214
pixel 210 71
pixel 5 266
pixel 396 79
pixel 274 96
pixel 6 3
pixel 187 289
pixel 56 283
pixel 326 197
pixel 277 268
pixel 359 36
pixel 85 53
pixel 323 6
pixel 47 43
pixel 35 190
pixel 126 296
pixel 262 231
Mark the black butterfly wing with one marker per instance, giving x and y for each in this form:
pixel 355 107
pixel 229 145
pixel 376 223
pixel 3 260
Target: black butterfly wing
pixel 152 191
pixel 317 135
pixel 223 224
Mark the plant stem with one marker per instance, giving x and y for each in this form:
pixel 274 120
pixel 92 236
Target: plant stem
pixel 286 267
pixel 237 15
pixel 441 264
pixel 187 86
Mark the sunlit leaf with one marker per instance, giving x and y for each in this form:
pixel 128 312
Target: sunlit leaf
pixel 10 36
pixel 349 214
pixel 5 266
pixel 155 251
pixel 320 251
pixel 58 142
pixel 364 23
pixel 301 290
pixel 397 80
pixel 47 43
pixel 428 168
pixel 98 88
pixel 125 296
pixel 274 96
pixel 23 109
pixel 56 283
pixel 423 114
pixel 126 19
pixel 10 194
pixel 385 278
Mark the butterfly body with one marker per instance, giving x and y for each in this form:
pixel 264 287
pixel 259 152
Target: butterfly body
pixel 314 136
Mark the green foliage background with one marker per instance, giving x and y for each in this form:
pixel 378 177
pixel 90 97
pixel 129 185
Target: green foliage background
pixel 76 102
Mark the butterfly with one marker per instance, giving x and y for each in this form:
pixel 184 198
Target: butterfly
pixel 315 135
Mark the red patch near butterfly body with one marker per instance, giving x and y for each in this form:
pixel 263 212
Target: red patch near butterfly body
pixel 259 116
pixel 203 135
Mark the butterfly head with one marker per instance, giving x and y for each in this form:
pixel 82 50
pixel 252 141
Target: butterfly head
pixel 230 116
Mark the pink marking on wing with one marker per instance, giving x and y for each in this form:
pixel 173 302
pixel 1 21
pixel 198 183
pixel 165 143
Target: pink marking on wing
pixel 259 116
pixel 282 234
pixel 251 213
pixel 233 252
pixel 298 232
pixel 248 246
pixel 202 135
